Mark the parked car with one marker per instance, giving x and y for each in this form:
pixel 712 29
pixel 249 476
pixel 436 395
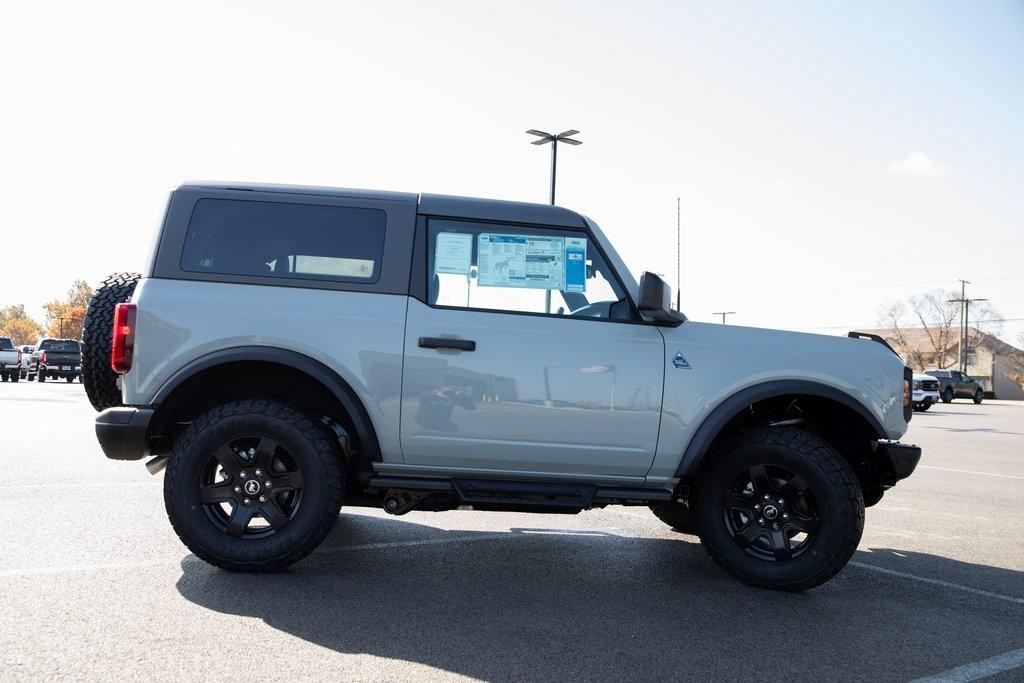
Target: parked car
pixel 56 358
pixel 26 358
pixel 926 392
pixel 10 361
pixel 281 357
pixel 956 384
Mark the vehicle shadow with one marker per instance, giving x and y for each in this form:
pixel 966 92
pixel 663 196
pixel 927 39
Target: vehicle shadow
pixel 539 603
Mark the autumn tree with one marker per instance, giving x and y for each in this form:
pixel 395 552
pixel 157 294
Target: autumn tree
pixel 23 330
pixel 66 317
pixel 18 325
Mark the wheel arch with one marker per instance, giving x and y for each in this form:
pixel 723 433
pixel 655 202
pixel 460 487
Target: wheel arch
pixel 726 413
pixel 237 359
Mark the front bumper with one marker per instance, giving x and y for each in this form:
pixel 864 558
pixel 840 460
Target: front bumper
pixel 921 396
pixel 896 460
pixel 122 432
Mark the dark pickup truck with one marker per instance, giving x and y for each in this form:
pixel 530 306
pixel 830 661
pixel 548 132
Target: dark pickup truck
pixel 55 358
pixel 956 384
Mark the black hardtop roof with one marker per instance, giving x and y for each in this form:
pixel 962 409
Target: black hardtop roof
pixel 428 204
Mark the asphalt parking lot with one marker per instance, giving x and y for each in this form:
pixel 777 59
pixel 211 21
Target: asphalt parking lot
pixel 96 585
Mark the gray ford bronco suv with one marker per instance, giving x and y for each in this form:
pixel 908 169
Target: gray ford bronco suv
pixel 289 350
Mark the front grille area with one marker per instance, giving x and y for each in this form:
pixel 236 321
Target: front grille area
pixel 930 385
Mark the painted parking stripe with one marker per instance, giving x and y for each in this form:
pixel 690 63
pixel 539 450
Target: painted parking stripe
pixel 986 474
pixel 937 582
pixel 975 670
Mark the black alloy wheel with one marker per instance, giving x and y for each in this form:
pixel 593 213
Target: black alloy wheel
pixel 250 487
pixel 978 396
pixel 779 507
pixel 771 513
pixel 253 485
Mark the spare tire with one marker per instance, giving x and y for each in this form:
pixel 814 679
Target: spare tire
pixel 99 378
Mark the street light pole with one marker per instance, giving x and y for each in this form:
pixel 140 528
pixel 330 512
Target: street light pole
pixel 545 138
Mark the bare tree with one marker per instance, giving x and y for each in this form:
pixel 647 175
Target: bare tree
pixel 926 327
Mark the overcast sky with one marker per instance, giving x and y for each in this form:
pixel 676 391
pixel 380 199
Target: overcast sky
pixel 831 157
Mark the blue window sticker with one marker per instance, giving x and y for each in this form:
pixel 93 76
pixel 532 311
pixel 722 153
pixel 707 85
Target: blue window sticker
pixel 575 264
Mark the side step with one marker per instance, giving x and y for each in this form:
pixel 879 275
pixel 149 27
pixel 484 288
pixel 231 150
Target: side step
pixel 407 493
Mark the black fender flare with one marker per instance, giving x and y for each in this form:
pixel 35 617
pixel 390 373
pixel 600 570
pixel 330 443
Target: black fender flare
pixel 334 383
pixel 705 435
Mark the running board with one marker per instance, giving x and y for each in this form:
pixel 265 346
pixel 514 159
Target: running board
pixel 502 494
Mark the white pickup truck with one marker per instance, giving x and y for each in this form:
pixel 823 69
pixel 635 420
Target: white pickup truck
pixel 10 360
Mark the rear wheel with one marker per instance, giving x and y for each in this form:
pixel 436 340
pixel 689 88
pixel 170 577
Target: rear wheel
pixel 14 377
pixel 70 378
pixel 780 508
pixel 978 396
pixel 42 377
pixel 947 395
pixel 253 486
pixel 98 377
pixel 3 376
pixel 676 515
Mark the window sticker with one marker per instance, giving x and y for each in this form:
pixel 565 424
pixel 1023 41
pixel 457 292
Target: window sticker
pixel 534 262
pixel 575 264
pixel 453 252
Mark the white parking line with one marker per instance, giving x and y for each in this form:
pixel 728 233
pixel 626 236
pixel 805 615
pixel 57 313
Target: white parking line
pixel 986 474
pixel 975 670
pixel 938 582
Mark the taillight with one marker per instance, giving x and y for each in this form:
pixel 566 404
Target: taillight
pixel 42 357
pixel 122 345
pixel 19 357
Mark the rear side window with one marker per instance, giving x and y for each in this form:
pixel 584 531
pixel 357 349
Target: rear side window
pixel 5 344
pixel 275 239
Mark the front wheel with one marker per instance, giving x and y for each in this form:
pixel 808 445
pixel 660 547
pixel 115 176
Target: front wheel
pixel 253 486
pixel 978 396
pixel 780 508
pixel 947 395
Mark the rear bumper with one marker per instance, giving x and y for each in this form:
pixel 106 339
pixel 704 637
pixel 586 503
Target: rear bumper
pixel 900 459
pixel 59 371
pixel 122 432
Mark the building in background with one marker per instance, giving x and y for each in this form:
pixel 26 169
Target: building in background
pixel 996 364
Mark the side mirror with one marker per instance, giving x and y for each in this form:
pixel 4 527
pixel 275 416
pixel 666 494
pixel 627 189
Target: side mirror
pixel 655 301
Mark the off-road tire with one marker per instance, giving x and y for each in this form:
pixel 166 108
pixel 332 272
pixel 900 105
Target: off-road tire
pixel 41 377
pixel 828 477
pixel 3 377
pixel 947 395
pixel 306 441
pixel 676 515
pixel 99 378
pixel 14 377
pixel 978 396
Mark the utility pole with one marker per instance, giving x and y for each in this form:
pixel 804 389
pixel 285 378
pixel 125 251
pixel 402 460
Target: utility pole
pixel 545 138
pixel 960 328
pixel 679 252
pixel 967 331
pixel 965 316
pixel 62 326
pixel 723 314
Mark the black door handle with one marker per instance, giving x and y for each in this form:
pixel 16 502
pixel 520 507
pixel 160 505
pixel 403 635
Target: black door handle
pixel 445 343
